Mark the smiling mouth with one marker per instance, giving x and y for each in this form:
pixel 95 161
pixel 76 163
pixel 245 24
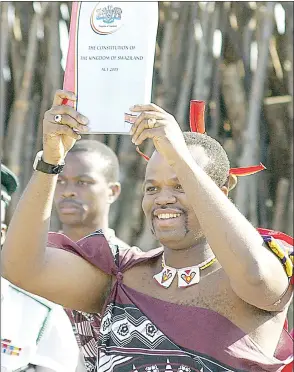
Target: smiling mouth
pixel 167 216
pixel 167 220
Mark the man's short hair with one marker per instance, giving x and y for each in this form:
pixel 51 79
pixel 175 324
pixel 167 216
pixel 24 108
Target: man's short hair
pixel 219 165
pixel 111 170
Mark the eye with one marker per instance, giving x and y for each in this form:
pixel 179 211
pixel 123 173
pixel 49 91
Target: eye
pixel 179 187
pixel 151 189
pixel 83 183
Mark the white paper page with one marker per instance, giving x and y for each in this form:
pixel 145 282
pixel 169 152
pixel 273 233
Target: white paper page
pixel 114 70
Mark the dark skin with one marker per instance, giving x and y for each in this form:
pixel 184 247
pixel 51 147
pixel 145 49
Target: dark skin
pixel 83 195
pixel 240 286
pixel 164 193
pixel 184 245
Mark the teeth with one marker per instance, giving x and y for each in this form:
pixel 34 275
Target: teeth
pixel 165 216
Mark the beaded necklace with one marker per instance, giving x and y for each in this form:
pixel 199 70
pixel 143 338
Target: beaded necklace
pixel 187 276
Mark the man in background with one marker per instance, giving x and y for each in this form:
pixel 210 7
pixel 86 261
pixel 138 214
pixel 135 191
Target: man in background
pixel 35 333
pixel 86 188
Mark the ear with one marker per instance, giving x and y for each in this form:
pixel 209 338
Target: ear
pixel 114 191
pixel 225 190
pixel 233 180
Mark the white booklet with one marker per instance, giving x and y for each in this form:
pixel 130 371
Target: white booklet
pixel 110 61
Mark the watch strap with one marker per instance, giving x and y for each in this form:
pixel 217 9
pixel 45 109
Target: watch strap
pixel 43 167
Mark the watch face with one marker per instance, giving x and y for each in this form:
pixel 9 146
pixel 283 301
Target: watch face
pixel 41 166
pixel 57 169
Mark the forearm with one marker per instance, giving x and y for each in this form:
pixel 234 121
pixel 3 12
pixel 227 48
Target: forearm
pixel 235 242
pixel 24 250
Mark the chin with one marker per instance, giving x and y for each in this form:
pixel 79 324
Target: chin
pixel 170 238
pixel 178 239
pixel 70 220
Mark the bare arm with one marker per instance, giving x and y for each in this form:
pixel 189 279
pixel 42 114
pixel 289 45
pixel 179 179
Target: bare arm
pixel 255 273
pixel 57 275
pixel 249 264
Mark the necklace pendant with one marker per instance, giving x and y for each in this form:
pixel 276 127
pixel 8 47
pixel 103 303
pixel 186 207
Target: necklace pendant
pixel 166 276
pixel 188 276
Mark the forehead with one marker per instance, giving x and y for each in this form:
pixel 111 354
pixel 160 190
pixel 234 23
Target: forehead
pixel 158 168
pixel 83 162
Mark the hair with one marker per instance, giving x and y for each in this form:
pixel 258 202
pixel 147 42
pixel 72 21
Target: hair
pixel 111 170
pixel 219 166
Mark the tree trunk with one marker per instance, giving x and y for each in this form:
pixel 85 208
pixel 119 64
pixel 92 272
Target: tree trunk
pixel 251 136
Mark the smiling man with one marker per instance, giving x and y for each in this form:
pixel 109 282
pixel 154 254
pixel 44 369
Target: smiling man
pixel 165 204
pixel 213 298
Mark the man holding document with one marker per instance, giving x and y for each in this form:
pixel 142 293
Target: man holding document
pixel 213 298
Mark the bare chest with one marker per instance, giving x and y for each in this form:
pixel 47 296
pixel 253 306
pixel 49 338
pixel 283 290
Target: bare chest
pixel 213 292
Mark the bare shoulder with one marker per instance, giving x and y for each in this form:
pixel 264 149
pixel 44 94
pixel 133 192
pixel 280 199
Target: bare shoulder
pixel 71 281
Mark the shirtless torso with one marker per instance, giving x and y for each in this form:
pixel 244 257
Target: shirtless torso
pixel 214 293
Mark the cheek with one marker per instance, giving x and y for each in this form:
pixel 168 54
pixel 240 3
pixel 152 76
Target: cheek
pixel 95 197
pixel 147 203
pixel 87 195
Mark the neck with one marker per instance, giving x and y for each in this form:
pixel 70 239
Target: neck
pixel 191 256
pixel 76 233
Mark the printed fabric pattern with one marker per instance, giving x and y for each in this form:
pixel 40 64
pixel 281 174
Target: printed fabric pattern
pixel 139 333
pixel 86 326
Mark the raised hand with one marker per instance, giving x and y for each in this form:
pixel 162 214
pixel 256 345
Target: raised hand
pixel 61 127
pixel 161 127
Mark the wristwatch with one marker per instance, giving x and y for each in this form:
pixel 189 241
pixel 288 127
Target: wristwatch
pixel 41 166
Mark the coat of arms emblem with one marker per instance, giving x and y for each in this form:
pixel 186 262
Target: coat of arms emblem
pixel 106 18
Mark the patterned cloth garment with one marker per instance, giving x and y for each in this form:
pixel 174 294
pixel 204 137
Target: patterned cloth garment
pixel 138 332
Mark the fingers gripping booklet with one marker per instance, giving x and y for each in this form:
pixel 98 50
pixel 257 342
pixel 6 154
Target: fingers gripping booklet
pixel 110 61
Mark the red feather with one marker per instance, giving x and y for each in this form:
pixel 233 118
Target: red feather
pixel 197 109
pixel 247 171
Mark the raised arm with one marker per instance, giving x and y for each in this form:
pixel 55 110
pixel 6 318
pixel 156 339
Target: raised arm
pixel 255 273
pixel 55 274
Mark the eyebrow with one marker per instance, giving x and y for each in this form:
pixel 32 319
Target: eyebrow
pixel 84 175
pixel 78 176
pixel 152 181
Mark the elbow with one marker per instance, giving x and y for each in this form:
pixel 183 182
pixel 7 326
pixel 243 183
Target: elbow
pixel 255 275
pixel 260 267
pixel 253 272
pixel 6 269
pixel 11 273
pixel 8 273
pixel 16 280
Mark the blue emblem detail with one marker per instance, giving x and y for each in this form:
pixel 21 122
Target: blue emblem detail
pixel 109 14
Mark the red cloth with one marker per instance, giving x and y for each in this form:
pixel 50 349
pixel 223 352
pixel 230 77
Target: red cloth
pixel 289 368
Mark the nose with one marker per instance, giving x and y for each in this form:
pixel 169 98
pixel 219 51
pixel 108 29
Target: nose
pixel 165 197
pixel 69 192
